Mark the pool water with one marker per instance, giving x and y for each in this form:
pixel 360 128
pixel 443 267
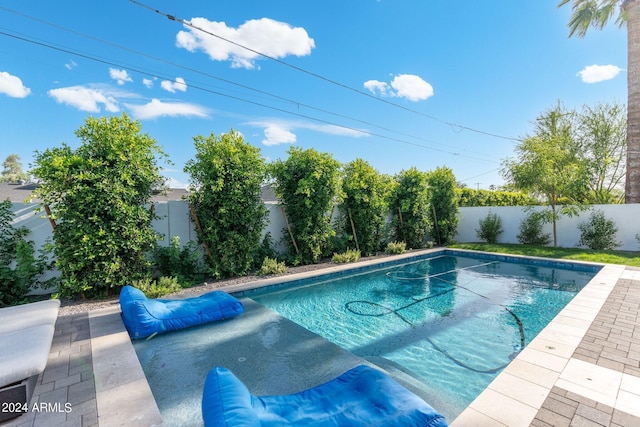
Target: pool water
pixel 450 322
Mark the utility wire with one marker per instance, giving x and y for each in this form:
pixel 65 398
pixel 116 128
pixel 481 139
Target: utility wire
pixel 278 97
pixel 321 77
pixel 143 72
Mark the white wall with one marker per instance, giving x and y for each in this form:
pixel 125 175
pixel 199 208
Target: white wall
pixel 626 218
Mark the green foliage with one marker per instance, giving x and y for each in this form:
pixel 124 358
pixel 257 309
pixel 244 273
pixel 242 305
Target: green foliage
pixel 548 164
pixel 307 184
pixel 97 194
pixel 350 255
pixel 531 230
pixel 12 170
pixel 265 250
pixel 599 233
pixel 469 197
pixel 153 288
pixel 20 269
pixel 490 228
pixel 410 208
pixel 601 132
pixel 395 248
pixel 365 204
pixel 596 14
pixel 443 215
pixel 272 266
pixel 185 263
pixel 226 176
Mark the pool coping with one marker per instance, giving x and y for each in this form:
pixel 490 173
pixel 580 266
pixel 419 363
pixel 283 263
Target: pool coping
pixel 514 398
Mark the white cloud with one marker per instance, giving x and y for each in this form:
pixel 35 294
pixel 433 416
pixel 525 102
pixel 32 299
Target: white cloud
pixel 408 86
pixel 376 86
pixel 148 83
pixel 598 73
pixel 273 38
pixel 157 108
pixel 276 134
pixel 71 64
pixel 282 131
pixel 178 84
pixel 12 86
pixel 411 87
pixel 85 98
pixel 120 76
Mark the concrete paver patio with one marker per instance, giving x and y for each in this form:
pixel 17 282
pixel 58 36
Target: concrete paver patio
pixel 583 369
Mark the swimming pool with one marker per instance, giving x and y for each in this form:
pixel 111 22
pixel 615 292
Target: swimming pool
pixel 451 322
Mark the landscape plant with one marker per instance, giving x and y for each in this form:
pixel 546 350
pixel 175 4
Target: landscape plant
pixel 364 206
pixel 20 268
pixel 307 185
pixel 350 255
pixel 395 248
pixel 409 208
pixel 531 230
pixel 599 232
pixel 99 195
pixel 490 228
pixel 443 198
pixel 226 177
pixel 272 266
pixel 184 262
pixel 159 287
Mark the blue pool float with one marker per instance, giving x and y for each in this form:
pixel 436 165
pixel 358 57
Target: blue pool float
pixel 362 396
pixel 144 317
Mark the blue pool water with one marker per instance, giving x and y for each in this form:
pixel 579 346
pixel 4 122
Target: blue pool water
pixel 451 322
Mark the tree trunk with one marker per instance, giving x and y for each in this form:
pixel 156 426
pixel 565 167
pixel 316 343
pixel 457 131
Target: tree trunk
pixel 632 184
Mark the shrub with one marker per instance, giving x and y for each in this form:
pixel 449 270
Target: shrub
pixel 186 264
pixel 98 194
pixel 272 266
pixel 350 255
pixel 155 288
pixel 531 231
pixel 307 184
pixel 395 248
pixel 443 215
pixel 490 228
pixel 410 206
pixel 364 206
pixel 598 233
pixel 19 268
pixel 226 177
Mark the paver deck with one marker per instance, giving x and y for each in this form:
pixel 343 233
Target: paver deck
pixel 583 369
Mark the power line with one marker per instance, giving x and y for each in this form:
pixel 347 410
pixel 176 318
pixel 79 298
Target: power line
pixel 321 77
pixel 143 72
pixel 296 103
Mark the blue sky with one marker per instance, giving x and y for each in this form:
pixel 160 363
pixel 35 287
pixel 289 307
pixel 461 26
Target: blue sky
pixel 398 83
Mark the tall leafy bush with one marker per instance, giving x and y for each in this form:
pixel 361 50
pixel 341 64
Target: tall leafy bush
pixel 20 269
pixel 226 178
pixel 443 215
pixel 306 184
pixel 98 194
pixel 409 207
pixel 364 206
pixel 599 232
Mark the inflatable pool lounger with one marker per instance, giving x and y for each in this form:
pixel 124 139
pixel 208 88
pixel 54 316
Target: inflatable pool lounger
pixel 144 317
pixel 362 396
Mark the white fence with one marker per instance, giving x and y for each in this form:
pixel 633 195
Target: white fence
pixel 175 221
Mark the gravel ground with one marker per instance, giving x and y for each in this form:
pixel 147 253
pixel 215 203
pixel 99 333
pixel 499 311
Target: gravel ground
pixel 70 307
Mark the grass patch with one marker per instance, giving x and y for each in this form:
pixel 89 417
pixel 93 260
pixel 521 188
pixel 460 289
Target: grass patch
pixel 607 257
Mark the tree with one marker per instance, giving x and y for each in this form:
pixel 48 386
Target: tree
pixel 549 166
pixel 12 171
pixel 97 194
pixel 601 134
pixel 226 177
pixel 364 205
pixel 443 215
pixel 596 14
pixel 306 184
pixel 410 207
